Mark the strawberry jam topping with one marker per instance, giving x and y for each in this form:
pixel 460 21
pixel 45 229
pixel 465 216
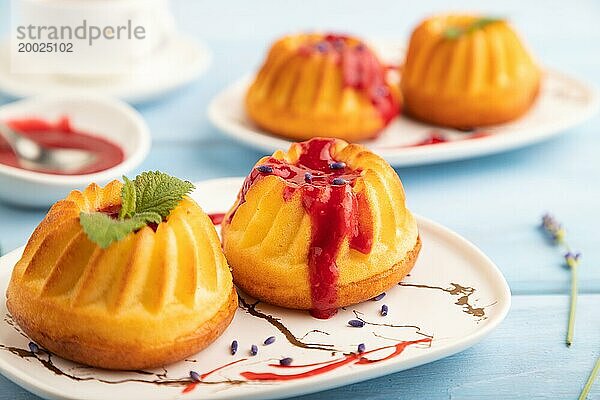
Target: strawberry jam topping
pixel 361 70
pixel 336 212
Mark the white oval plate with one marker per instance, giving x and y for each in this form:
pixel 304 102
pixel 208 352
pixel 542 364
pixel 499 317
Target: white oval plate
pixel 563 102
pixel 179 61
pixel 453 298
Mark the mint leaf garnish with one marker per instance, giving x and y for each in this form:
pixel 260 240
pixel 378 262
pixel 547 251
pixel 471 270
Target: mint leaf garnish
pixel 104 230
pixel 158 192
pixel 127 199
pixel 455 32
pixel 149 198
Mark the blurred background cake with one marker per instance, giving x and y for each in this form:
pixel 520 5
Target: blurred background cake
pixel 322 85
pixel 321 226
pixel 466 71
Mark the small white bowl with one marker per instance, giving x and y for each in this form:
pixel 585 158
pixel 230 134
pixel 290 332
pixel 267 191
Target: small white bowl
pixel 100 116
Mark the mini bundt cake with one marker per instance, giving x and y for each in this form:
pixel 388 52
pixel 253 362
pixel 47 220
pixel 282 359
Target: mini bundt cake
pixel 321 226
pixel 465 71
pixel 160 293
pixel 322 85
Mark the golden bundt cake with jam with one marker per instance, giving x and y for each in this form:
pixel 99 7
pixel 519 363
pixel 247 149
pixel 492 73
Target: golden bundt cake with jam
pixel 124 277
pixel 322 85
pixel 321 226
pixel 467 71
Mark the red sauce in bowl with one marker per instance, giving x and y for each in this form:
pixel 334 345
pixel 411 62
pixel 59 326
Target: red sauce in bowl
pixel 62 135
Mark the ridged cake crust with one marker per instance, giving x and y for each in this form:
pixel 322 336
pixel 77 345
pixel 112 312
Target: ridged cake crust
pixel 271 234
pixel 322 85
pixel 152 298
pixel 482 77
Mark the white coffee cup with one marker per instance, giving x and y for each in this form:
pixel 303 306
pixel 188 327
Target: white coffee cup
pixel 87 37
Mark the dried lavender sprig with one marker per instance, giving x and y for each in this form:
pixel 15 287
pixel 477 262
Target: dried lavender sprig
pixel 553 228
pixel 195 376
pixel 384 310
pixel 590 381
pixel 558 234
pixel 34 348
pixel 356 323
pixel 285 361
pixel 379 297
pixel 265 169
pixel 572 261
pixel 269 340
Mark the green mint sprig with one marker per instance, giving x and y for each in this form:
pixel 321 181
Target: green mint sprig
pixel 149 198
pixel 455 32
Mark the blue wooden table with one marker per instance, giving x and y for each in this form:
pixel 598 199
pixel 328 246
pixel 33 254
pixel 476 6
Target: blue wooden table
pixel 496 201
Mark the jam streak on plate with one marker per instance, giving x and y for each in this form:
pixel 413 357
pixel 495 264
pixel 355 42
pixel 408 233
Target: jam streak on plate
pixel 353 358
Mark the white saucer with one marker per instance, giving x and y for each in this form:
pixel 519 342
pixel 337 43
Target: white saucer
pixel 563 103
pixel 180 61
pixel 453 298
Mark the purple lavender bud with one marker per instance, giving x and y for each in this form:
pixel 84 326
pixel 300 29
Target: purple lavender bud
pixel 285 361
pixel 384 310
pixel 381 91
pixel 356 323
pixel 361 348
pixel 234 347
pixel 195 376
pixel 34 348
pixel 265 169
pixel 321 47
pixel 308 177
pixel 553 227
pixel 339 44
pixel 339 181
pixel 572 259
pixel 337 165
pixel 253 350
pixel 269 340
pixel 378 297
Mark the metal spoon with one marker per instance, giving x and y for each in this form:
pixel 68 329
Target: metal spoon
pixel 32 155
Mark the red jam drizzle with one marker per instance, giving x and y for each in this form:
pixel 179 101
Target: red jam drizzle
pixel 62 135
pixel 336 213
pixel 437 137
pixel 433 137
pixel 111 210
pixel 216 218
pixel 361 70
pixel 353 358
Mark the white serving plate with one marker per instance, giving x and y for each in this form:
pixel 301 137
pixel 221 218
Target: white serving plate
pixel 178 62
pixel 452 299
pixel 563 102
